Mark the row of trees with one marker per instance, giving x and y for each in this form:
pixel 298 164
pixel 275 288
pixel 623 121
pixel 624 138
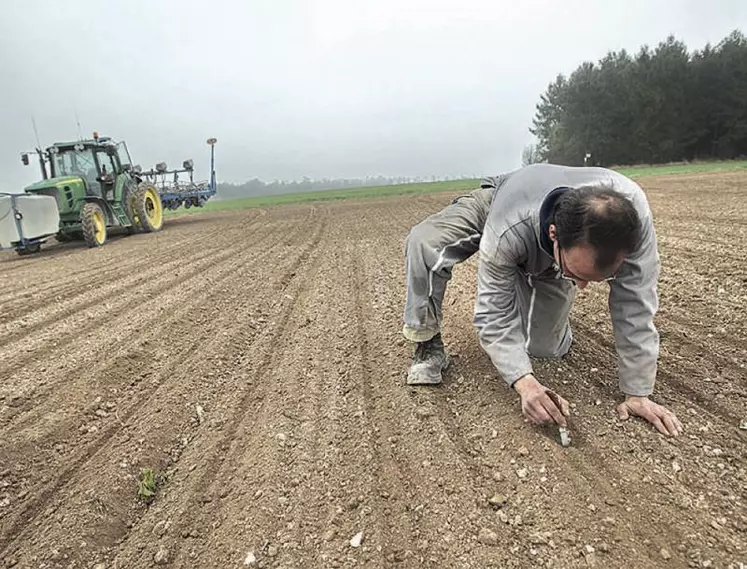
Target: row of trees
pixel 661 105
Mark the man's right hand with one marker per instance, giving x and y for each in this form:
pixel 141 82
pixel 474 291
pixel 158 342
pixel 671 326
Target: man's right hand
pixel 537 405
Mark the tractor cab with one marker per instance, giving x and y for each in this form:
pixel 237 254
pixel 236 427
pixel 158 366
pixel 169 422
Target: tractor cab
pixel 96 166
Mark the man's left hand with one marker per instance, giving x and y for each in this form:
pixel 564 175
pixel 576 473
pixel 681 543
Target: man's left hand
pixel 661 417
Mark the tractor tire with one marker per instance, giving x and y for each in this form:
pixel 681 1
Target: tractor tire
pixel 93 220
pixel 148 208
pixel 29 249
pixel 129 207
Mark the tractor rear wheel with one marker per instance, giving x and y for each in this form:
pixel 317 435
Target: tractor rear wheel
pixel 148 208
pixel 93 220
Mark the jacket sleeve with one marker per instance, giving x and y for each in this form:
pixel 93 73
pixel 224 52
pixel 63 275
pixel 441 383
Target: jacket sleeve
pixel 633 302
pixel 497 315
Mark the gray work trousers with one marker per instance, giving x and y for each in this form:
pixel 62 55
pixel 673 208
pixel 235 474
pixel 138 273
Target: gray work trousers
pixel 451 236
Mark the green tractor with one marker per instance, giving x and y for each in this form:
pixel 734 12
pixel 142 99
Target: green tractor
pixel 97 188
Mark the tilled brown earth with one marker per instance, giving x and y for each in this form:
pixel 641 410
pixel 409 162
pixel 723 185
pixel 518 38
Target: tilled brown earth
pixel 256 358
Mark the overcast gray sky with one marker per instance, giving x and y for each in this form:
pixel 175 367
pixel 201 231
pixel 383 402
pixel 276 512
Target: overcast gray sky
pixel 323 88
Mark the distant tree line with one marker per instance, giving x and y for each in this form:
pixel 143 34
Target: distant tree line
pixel 257 187
pixel 661 105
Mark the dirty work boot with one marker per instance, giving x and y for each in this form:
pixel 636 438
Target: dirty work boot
pixel 429 361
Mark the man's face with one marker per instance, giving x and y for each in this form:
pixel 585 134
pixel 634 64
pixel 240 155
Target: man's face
pixel 578 263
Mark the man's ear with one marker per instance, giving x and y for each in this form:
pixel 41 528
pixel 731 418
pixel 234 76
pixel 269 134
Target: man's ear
pixel 552 231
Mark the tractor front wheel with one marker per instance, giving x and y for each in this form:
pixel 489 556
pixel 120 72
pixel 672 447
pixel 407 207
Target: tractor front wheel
pixel 148 208
pixel 93 220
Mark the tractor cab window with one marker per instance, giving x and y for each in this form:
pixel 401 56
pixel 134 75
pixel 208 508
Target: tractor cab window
pixel 71 162
pixel 124 155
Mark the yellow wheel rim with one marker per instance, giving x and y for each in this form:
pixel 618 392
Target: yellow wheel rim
pixel 153 208
pixel 99 226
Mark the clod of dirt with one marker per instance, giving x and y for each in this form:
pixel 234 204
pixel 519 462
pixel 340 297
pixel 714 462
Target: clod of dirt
pixel 250 559
pixel 162 556
pixel 676 466
pixel 424 412
pixel 357 540
pixel 497 501
pixel 16 400
pixel 665 554
pixel 523 451
pixel 330 534
pixel 272 551
pixel 487 537
pixel 99 566
pixel 589 549
pixel 200 413
pixel 743 425
pixel 522 473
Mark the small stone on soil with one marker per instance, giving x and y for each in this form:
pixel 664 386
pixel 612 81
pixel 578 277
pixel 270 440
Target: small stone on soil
pixel 523 451
pixel 161 557
pixel 329 535
pixel 487 537
pixel 522 473
pixel 250 559
pixel 424 412
pixel 357 540
pixel 497 501
pixel 589 549
pixel 160 528
pixel 665 554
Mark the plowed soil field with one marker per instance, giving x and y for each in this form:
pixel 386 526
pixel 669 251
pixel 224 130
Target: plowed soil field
pixel 255 359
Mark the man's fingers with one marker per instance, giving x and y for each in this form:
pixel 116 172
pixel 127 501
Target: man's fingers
pixel 669 423
pixel 553 410
pixel 653 418
pixel 680 428
pixel 565 407
pixel 537 413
